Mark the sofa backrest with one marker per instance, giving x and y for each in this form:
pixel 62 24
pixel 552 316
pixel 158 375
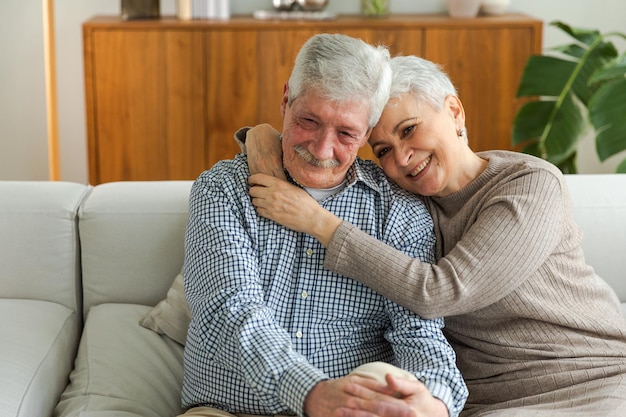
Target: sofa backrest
pixel 132 236
pixel 132 241
pixel 600 210
pixel 39 247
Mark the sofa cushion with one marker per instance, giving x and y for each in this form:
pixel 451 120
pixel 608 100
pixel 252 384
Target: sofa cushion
pixel 37 349
pixel 123 369
pixel 171 316
pixel 132 237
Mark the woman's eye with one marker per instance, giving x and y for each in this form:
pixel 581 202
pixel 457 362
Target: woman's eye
pixel 407 130
pixel 381 152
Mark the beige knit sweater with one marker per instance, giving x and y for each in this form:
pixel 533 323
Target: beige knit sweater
pixel 526 315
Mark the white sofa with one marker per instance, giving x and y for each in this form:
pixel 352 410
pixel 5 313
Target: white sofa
pixel 81 266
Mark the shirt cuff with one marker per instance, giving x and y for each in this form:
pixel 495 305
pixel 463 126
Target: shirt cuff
pixel 333 252
pixel 443 392
pixel 296 384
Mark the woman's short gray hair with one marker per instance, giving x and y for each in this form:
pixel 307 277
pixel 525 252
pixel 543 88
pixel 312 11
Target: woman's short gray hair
pixel 421 78
pixel 342 68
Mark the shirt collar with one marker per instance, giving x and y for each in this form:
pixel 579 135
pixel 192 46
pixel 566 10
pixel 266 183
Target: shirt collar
pixel 357 173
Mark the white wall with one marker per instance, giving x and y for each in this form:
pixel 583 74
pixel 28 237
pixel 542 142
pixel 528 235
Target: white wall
pixel 23 140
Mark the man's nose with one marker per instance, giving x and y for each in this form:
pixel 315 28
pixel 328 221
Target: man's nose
pixel 324 145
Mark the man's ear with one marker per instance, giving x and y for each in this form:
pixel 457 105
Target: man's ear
pixel 284 100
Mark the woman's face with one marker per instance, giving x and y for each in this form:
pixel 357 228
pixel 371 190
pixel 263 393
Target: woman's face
pixel 418 147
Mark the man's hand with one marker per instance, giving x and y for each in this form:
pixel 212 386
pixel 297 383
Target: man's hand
pixel 292 207
pixel 264 149
pixel 327 397
pixel 398 398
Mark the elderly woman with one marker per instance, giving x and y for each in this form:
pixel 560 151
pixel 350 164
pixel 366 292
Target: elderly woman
pixel 535 330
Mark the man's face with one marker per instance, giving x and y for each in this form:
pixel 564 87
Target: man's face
pixel 321 138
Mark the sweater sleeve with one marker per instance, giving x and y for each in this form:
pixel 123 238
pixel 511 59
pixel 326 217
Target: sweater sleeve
pixel 506 238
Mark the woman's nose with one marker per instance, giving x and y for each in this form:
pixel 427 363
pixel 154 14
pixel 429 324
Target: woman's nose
pixel 403 155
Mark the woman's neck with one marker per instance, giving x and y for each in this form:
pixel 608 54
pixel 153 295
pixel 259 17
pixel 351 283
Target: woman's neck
pixel 470 167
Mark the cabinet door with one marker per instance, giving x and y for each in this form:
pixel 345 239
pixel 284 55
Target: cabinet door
pixel 278 50
pixel 146 95
pixel 485 65
pixel 232 93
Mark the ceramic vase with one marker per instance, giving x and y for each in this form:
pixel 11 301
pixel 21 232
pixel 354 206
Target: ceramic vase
pixel 463 8
pixel 494 7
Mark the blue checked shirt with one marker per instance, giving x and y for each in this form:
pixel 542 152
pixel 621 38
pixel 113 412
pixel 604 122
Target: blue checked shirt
pixel 269 322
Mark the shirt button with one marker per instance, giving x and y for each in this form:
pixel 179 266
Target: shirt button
pixel 299 334
pixel 309 252
pixel 304 294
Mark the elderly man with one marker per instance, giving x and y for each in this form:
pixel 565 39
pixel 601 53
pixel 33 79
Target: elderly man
pixel 272 331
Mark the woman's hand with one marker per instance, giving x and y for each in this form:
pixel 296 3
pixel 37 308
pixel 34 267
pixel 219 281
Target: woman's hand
pixel 292 207
pixel 264 151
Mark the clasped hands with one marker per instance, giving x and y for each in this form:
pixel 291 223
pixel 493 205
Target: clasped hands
pixel 356 396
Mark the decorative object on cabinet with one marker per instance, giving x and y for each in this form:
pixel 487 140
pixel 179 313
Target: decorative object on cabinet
pixel 203 9
pixel 141 9
pixel 295 14
pixel 463 8
pixel 283 5
pixel 578 84
pixel 375 8
pixel 165 96
pixel 494 7
pixel 312 5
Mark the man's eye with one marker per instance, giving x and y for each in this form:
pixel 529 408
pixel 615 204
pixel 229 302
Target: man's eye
pixel 348 135
pixel 307 123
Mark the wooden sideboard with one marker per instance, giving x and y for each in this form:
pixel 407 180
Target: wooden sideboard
pixel 164 96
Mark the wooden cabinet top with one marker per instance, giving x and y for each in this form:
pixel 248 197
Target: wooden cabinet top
pixel 247 22
pixel 164 96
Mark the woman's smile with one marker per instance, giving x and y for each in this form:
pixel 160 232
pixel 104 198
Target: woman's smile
pixel 420 168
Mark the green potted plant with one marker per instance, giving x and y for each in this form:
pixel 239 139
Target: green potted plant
pixel 571 88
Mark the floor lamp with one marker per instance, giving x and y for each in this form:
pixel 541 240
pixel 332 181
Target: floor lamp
pixel 51 90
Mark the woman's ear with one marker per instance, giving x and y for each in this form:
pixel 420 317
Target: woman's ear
pixel 453 104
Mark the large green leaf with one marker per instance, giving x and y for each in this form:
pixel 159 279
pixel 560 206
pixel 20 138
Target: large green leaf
pixel 615 70
pixel 545 76
pixel 573 50
pixel 568 166
pixel 530 122
pixel 573 82
pixel 607 112
pixel 602 54
pixel 556 126
pixel 548 76
pixel 586 36
pixel 563 133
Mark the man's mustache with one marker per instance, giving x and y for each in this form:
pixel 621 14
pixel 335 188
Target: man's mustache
pixel 310 159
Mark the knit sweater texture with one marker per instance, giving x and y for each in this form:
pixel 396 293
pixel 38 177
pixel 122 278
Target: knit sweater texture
pixel 530 321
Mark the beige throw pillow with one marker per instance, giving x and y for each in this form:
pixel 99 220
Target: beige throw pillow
pixel 172 315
